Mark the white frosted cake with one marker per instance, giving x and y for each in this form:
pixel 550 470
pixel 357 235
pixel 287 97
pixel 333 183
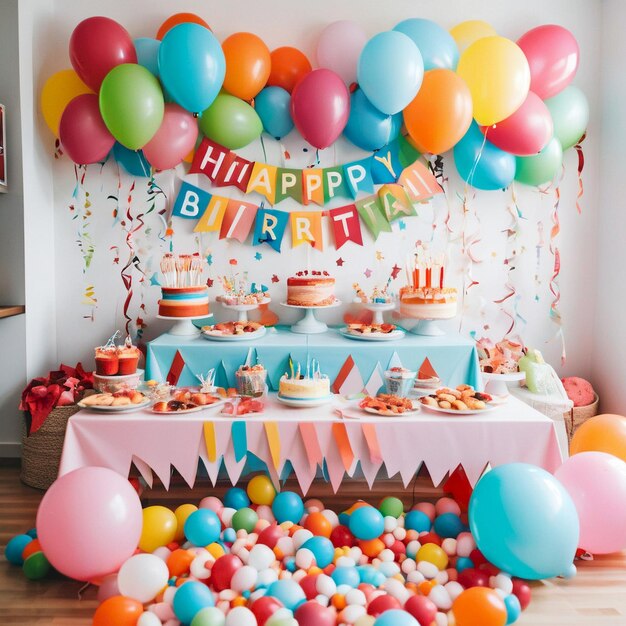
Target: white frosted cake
pixel 428 303
pixel 310 386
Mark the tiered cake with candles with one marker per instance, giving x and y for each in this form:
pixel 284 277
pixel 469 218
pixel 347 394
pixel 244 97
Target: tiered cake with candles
pixel 184 294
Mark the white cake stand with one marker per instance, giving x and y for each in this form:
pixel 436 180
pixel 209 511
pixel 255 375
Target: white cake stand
pixel 496 384
pixel 309 324
pixel 184 325
pixel 242 309
pixel 377 308
pixel 428 328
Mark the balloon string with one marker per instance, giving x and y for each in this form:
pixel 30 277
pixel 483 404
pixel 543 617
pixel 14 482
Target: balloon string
pixel 470 178
pixel 263 148
pixel 555 313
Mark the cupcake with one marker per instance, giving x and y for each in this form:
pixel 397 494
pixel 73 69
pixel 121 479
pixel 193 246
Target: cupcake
pixel 251 380
pixel 399 380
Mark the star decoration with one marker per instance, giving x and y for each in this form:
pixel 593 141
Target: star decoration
pixel 380 256
pixel 340 262
pixel 402 225
pixel 154 280
pixel 209 282
pixel 209 259
pixel 395 270
pixel 275 278
pixel 258 256
pixel 367 272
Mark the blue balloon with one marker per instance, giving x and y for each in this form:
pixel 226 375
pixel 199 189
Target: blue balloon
pixel 203 527
pixel 134 162
pixel 437 46
pixel 148 53
pixel 190 598
pixel 273 106
pixel 513 608
pixel 288 507
pixel 481 164
pixel 15 547
pixel 524 521
pixel 288 592
pixel 448 525
pixel 229 535
pixel 367 523
pixel 346 576
pixel 322 549
pixel 236 498
pixel 396 617
pixel 464 562
pixel 417 520
pixel 367 127
pixel 192 66
pixel 390 71
pixel 32 533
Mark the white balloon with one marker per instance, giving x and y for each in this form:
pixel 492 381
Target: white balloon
pixel 241 616
pixel 149 619
pixel 142 577
pixel 244 579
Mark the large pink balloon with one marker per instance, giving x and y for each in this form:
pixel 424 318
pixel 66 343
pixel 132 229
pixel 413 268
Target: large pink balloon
pixel 97 45
pixel 174 140
pixel 596 481
pixel 553 55
pixel 312 613
pixel 89 522
pixel 82 131
pixel 527 131
pixel 339 47
pixel 320 107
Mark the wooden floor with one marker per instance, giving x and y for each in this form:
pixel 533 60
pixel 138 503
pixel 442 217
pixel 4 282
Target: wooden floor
pixel 596 597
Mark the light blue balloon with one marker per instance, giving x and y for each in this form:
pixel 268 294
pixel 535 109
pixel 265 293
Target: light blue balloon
pixel 288 507
pixel 134 162
pixel 236 498
pixel 524 521
pixel 417 520
pixel 289 592
pixel 396 617
pixel 390 71
pixel 481 164
pixel 203 527
pixel 438 48
pixel 513 608
pixel 367 127
pixel 273 106
pixel 190 598
pixel 367 523
pixel 192 66
pixel 346 576
pixel 148 53
pixel 322 549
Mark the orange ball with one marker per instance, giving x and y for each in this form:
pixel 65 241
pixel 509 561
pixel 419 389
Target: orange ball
pixel 372 548
pixel 30 548
pixel 479 606
pixel 318 524
pixel 118 610
pixel 602 433
pixel 179 561
pixel 288 67
pixel 338 601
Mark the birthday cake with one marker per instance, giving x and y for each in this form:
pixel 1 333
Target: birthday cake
pixel 312 385
pixel 311 289
pixel 183 294
pixel 239 291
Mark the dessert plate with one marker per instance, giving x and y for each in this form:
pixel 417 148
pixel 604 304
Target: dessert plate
pixel 305 403
pixel 218 335
pixel 394 334
pixel 490 407
pixel 415 411
pixel 195 409
pixel 122 408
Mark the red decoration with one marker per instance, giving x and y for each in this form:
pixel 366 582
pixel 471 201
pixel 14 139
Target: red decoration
pixel 346 225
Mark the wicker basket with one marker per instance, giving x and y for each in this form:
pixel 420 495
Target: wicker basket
pixel 41 451
pixel 578 415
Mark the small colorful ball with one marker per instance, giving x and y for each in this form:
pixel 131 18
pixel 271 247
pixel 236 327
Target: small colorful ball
pixel 391 507
pixel 241 616
pixel 203 527
pixel 31 548
pixel 346 576
pixel 447 505
pixel 342 537
pixel 182 513
pixel 367 523
pixel 396 617
pixel 209 616
pixel 245 519
pixel 522 590
pixel 417 520
pixel 422 609
pixel 36 566
pixel 223 571
pixel 15 548
pixel 479 606
pixel 448 525
pixel 432 553
pixel 261 490
pixel 428 508
pixel 189 599
pixel 235 498
pixel 313 614
pixel 513 608
pixel 288 507
pixel 317 523
pixel 473 577
pixel 288 592
pixel 323 550
pixel 264 608
pixel 463 563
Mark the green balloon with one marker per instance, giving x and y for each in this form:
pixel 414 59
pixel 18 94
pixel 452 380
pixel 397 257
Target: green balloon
pixel 36 566
pixel 231 122
pixel 407 153
pixel 131 104
pixel 540 168
pixel 245 519
pixel 209 616
pixel 391 507
pixel 570 114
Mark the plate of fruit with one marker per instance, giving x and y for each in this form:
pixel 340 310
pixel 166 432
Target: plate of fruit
pixel 118 402
pixel 389 405
pixel 463 400
pixel 187 401
pixel 372 332
pixel 244 406
pixel 233 331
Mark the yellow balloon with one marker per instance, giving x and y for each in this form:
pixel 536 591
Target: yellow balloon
pixel 261 490
pixel 57 93
pixel 432 553
pixel 159 528
pixel 497 73
pixel 182 513
pixel 466 33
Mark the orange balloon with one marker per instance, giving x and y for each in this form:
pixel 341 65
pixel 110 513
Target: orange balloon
pixel 371 547
pixel 248 64
pixel 179 561
pixel 30 548
pixel 318 524
pixel 289 65
pixel 118 610
pixel 179 18
pixel 440 114
pixel 602 433
pixel 479 606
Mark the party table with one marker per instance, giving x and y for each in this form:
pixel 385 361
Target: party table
pixel 337 438
pixel 350 364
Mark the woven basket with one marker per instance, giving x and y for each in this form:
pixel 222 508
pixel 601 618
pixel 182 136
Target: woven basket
pixel 578 415
pixel 41 451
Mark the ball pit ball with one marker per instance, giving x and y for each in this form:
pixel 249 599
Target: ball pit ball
pixel 15 548
pixel 269 536
pixel 142 577
pixel 36 566
pixel 473 577
pixel 236 498
pixel 513 608
pixel 240 616
pixel 261 490
pixel 322 549
pixel 522 590
pixel 422 609
pixel 432 553
pixel 342 537
pixel 31 548
pixel 288 507
pixel 159 528
pixel 149 619
pixel 264 608
pixel 313 614
pixel 189 599
pixel 118 610
pixel 479 606
pixel 417 520
pixel 288 592
pixel 448 525
pixel 381 604
pixel 209 616
pixel 317 523
pixel 391 507
pixel 396 617
pixel 179 561
pixel 245 519
pixel 367 523
pixel 203 527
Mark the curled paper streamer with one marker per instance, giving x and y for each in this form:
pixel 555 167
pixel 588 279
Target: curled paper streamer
pixel 581 165
pixel 555 313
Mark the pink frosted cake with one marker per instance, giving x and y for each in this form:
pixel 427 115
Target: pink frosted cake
pixel 311 289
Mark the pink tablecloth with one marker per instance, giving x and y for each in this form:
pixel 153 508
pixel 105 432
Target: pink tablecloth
pixel 306 437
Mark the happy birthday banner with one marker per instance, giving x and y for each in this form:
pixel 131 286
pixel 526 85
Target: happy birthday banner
pixel 234 219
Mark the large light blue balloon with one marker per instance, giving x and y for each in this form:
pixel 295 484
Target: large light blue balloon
pixel 481 164
pixel 395 617
pixel 148 53
pixel 524 521
pixel 191 66
pixel 134 162
pixel 390 71
pixel 438 48
pixel 367 127
pixel 273 106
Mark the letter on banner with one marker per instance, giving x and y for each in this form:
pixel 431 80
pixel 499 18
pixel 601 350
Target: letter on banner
pixel 371 213
pixel 237 220
pixel 190 201
pixel 346 226
pixel 359 176
pixel 288 185
pixel 208 159
pixel 386 166
pixel 335 183
pixel 395 202
pixel 306 227
pixel 312 186
pixel 263 181
pixel 419 183
pixel 234 172
pixel 269 227
pixel 212 218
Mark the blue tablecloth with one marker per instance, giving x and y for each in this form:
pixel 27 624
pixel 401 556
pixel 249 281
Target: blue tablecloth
pixel 453 357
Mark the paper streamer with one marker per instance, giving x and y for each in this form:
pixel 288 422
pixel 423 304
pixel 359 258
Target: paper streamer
pixel 273 440
pixel 210 442
pixel 311 443
pixel 340 435
pixel 369 432
pixel 240 440
pixel 581 165
pixel 555 313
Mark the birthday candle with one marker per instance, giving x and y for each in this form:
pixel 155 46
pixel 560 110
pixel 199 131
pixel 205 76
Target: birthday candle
pixel 429 282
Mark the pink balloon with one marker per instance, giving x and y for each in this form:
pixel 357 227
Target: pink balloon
pixel 339 47
pixel 89 522
pixel 596 481
pixel 97 45
pixel 313 614
pixel 82 131
pixel 526 132
pixel 108 588
pixel 553 55
pixel 174 140
pixel 320 106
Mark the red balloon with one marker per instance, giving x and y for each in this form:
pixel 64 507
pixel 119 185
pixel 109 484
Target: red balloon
pixel 526 132
pixel 309 586
pixel 264 608
pixel 313 614
pixel 82 131
pixel 398 549
pixel 97 45
pixel 342 537
pixel 289 65
pixel 320 107
pixel 269 536
pixel 430 538
pixel 422 609
pixel 522 590
pixel 223 571
pixel 477 557
pixel 381 604
pixel 472 577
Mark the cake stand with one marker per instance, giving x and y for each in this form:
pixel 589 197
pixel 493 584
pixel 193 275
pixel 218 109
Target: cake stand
pixel 309 324
pixel 496 384
pixel 242 309
pixel 428 328
pixel 184 326
pixel 377 309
